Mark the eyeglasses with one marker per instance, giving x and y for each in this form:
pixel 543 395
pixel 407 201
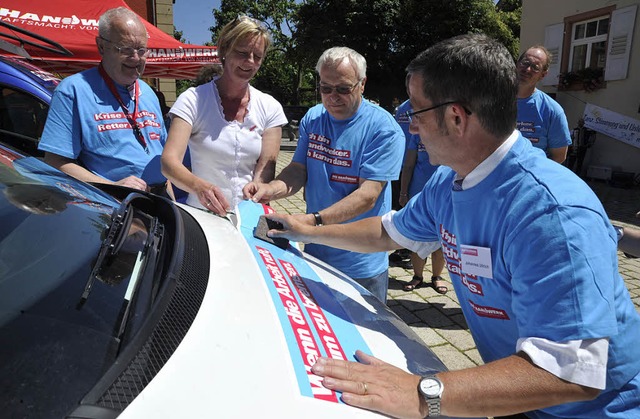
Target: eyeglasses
pixel 410 114
pixel 128 51
pixel 524 64
pixel 326 89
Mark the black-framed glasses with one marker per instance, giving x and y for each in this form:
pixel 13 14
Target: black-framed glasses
pixel 524 64
pixel 410 114
pixel 128 51
pixel 327 89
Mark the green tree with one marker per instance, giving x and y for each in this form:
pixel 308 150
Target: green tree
pixel 389 33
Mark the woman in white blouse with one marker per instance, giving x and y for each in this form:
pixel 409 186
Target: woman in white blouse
pixel 231 129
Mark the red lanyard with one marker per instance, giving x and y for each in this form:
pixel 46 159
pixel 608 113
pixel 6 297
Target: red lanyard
pixel 131 118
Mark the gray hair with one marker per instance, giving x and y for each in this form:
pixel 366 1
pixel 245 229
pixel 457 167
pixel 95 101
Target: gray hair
pixel 336 55
pixel 105 23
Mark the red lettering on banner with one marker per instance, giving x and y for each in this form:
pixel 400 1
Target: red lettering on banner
pixel 491 312
pixel 323 327
pixel 306 342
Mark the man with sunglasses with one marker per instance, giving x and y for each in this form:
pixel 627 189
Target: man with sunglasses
pixel 530 252
pixel 540 118
pixel 348 152
pixel 104 124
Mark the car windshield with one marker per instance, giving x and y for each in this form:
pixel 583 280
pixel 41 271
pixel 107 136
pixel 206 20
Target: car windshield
pixel 53 328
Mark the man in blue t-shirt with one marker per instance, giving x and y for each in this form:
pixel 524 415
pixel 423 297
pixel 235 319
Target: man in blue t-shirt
pixel 540 118
pixel 530 252
pixel 348 151
pixel 104 124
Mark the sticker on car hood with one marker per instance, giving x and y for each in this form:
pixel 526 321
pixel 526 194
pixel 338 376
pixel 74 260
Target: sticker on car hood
pixel 311 318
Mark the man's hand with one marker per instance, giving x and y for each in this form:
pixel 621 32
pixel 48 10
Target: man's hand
pixel 374 385
pixel 295 227
pixel 133 182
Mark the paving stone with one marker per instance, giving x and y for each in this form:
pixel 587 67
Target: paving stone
pixel 433 317
pixel 427 334
pixel 458 337
pixel 452 358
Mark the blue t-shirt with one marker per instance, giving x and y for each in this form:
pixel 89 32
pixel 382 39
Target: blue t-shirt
pixel 337 154
pixel 423 170
pixel 86 123
pixel 542 120
pixel 554 267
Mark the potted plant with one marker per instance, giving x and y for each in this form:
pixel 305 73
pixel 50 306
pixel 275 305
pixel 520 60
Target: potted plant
pixel 587 79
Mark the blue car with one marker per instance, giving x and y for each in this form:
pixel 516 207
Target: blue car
pixel 24 103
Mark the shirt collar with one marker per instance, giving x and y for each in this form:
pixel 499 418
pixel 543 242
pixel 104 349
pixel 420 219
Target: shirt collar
pixel 487 166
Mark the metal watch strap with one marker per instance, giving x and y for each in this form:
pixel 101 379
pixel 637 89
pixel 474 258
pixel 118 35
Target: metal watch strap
pixel 434 407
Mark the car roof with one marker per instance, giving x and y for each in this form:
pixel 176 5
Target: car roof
pixel 28 77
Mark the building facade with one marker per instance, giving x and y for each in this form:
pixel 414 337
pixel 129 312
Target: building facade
pixel 594 74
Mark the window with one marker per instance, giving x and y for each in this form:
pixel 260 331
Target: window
pixel 22 119
pixel 597 40
pixel 589 44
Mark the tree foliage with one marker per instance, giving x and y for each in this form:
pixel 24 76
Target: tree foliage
pixel 388 33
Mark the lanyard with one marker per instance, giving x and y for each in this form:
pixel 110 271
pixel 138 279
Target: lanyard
pixel 131 118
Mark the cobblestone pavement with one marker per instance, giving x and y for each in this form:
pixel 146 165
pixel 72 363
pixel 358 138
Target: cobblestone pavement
pixel 438 319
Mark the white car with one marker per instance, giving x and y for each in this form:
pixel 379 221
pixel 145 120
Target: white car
pixel 138 307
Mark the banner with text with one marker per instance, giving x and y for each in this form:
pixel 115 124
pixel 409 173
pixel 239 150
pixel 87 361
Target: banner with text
pixel 613 124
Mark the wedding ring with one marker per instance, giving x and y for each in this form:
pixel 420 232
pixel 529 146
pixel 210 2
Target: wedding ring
pixel 366 390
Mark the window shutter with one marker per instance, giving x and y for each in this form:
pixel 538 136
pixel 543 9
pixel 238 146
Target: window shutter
pixel 620 33
pixel 553 37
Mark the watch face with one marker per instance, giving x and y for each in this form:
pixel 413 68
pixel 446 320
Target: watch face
pixel 430 387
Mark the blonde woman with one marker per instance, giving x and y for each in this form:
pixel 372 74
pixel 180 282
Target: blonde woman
pixel 232 130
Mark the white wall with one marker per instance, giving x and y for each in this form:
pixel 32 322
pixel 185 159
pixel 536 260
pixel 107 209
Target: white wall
pixel 621 96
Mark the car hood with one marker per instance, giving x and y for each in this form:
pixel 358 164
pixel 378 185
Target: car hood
pixel 267 314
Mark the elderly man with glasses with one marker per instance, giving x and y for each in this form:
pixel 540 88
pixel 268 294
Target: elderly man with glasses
pixel 348 152
pixel 540 118
pixel 104 124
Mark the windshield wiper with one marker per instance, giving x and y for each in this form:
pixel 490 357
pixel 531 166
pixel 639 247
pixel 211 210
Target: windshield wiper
pixel 120 223
pixel 117 233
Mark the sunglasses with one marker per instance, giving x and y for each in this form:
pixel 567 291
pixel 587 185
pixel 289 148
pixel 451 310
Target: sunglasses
pixel 327 89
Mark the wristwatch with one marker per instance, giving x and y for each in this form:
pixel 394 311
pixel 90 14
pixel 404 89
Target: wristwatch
pixel 430 387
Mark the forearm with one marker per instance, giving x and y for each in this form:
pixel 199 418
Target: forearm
pixel 265 170
pixel 72 168
pixel 289 181
pixel 630 241
pixel 363 236
pixel 356 203
pixel 558 154
pixel 505 387
pixel 180 176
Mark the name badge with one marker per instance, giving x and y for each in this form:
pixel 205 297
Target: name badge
pixel 476 260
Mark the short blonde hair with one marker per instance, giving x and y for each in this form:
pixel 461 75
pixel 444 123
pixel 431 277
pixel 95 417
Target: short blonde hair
pixel 241 28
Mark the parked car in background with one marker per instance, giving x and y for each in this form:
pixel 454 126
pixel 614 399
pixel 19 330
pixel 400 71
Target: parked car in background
pixel 127 304
pixel 24 103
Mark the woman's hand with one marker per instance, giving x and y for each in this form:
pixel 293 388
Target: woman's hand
pixel 212 199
